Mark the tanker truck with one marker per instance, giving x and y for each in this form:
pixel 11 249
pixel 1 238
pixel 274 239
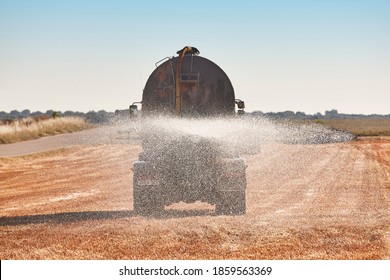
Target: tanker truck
pixel 186 168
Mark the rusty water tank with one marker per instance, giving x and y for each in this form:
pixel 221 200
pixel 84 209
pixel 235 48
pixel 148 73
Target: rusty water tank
pixel 205 89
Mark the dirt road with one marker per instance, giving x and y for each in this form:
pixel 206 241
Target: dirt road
pixel 328 201
pixel 95 136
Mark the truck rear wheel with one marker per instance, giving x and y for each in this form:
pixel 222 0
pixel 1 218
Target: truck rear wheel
pixel 147 194
pixel 147 202
pixel 231 203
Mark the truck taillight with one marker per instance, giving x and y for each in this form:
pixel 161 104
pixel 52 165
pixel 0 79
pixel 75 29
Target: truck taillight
pixel 233 174
pixel 147 181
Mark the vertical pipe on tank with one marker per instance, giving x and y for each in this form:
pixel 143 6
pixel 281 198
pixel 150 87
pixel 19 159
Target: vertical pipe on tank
pixel 187 49
pixel 177 85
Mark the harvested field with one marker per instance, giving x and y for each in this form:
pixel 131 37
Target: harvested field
pixel 361 126
pixel 12 131
pixel 324 201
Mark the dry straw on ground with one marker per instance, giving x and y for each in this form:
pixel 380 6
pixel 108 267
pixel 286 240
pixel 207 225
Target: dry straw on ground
pixel 362 126
pixel 33 128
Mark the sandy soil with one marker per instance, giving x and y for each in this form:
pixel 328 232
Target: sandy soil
pixel 328 201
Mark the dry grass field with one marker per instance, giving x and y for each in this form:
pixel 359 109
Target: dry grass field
pixel 327 201
pixel 33 128
pixel 362 127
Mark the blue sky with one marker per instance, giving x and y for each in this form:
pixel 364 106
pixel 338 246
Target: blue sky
pixel 308 56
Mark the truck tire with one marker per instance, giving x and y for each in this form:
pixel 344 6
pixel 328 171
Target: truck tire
pixel 147 202
pixel 231 203
pixel 147 194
